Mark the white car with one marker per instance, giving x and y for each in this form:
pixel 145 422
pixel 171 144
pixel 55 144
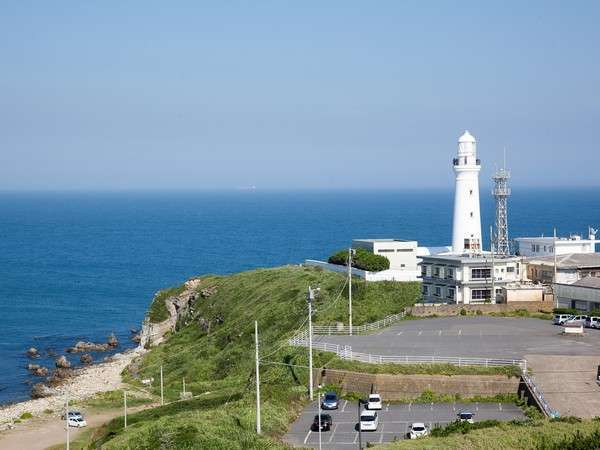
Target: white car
pixel 592 322
pixel 374 402
pixel 369 420
pixel 559 319
pixel 466 416
pixel 417 430
pixel 77 422
pixel 576 320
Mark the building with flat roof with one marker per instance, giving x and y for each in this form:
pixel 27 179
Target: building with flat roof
pixel 544 245
pixel 583 295
pixel 467 279
pixel 570 268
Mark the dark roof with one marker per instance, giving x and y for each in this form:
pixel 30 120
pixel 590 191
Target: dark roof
pixel 593 282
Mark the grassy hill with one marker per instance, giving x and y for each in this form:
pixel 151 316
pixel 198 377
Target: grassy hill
pixel 213 349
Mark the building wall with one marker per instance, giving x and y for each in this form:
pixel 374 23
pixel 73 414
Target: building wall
pixel 384 275
pixel 402 255
pixel 579 297
pixel 526 294
pixel 542 273
pixel 545 247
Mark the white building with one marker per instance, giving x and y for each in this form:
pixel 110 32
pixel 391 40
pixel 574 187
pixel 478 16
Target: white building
pixel 466 226
pixel 570 268
pixel 467 279
pixel 544 246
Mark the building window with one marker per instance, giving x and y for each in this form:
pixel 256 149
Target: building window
pixel 450 273
pixel 480 294
pixel 481 273
pixel 471 192
pixel 403 250
pixel 386 250
pixel 451 293
pixel 423 270
pixel 403 265
pixel 510 269
pixel 436 272
pixel 438 291
pixel 425 289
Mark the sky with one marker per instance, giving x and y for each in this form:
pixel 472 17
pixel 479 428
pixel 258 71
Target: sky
pixel 295 95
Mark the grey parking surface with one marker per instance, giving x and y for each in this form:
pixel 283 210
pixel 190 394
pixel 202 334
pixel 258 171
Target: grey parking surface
pixel 481 336
pixel 394 420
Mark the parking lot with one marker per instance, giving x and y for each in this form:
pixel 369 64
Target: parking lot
pixel 394 420
pixel 479 337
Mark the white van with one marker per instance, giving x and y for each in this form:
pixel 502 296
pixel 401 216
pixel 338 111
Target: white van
pixel 592 322
pixel 559 319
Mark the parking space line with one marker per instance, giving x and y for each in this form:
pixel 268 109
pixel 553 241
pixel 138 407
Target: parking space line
pixel 476 406
pixel 356 436
pixel 500 406
pixel 420 332
pixel 431 409
pixel 307 435
pixel 400 333
pixel 439 332
pixel 344 407
pixel 460 332
pixel 381 435
pixel 333 434
pixel 409 405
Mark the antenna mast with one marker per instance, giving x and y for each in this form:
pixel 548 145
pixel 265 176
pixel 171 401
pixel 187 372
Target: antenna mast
pixel 501 193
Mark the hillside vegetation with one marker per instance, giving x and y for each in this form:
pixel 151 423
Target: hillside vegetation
pixel 213 349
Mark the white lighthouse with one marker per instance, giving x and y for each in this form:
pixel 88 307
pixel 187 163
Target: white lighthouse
pixel 466 227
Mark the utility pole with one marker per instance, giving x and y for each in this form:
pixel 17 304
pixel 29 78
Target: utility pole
pixel 310 298
pixel 319 401
pixel 258 430
pixel 162 397
pixel 350 253
pixel 555 268
pixel 125 406
pixel 67 418
pixel 493 266
pixel 360 402
pixel 183 387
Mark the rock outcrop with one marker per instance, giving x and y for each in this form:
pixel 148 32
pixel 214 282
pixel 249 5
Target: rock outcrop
pixel 179 307
pixel 82 347
pixel 112 341
pixel 86 359
pixel 37 370
pixel 33 352
pixel 40 390
pixel 62 363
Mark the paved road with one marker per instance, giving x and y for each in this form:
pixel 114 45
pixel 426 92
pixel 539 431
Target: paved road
pixel 393 422
pixel 482 336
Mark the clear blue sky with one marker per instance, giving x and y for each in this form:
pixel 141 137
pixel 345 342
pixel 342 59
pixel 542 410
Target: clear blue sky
pixel 323 94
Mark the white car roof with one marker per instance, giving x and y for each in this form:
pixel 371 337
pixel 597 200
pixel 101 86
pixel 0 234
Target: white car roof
pixel 374 396
pixel 367 413
pixel 418 424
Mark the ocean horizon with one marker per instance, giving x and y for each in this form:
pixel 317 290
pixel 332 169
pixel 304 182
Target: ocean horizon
pixel 79 265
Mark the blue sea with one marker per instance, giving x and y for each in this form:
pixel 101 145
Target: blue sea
pixel 78 266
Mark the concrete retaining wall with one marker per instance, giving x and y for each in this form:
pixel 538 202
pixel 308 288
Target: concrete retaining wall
pixel 454 310
pixel 402 387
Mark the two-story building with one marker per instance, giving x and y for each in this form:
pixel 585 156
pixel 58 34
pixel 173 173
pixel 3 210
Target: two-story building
pixel 467 279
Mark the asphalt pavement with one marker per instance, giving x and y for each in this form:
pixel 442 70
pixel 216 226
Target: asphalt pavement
pixel 394 420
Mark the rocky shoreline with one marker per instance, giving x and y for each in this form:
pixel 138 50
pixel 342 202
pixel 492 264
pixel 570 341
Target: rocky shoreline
pixel 84 383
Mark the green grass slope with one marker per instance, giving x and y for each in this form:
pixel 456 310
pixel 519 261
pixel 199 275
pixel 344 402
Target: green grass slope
pixel 213 349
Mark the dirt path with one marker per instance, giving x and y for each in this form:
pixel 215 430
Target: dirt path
pixel 39 434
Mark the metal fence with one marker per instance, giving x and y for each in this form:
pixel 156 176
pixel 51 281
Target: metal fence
pixel 539 395
pixel 346 352
pixel 358 329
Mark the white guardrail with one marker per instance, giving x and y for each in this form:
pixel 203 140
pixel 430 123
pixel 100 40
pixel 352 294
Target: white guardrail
pixel 359 329
pixel 539 395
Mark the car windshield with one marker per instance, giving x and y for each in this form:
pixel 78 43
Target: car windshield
pixel 374 398
pixel 330 397
pixel 418 428
pixel 367 418
pixel 466 415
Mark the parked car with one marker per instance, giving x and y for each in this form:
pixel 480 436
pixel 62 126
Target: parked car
pixel 576 320
pixel 330 401
pixel 417 430
pixel 369 420
pixel 74 415
pixel 466 416
pixel 77 422
pixel 592 322
pixel 326 422
pixel 374 402
pixel 559 319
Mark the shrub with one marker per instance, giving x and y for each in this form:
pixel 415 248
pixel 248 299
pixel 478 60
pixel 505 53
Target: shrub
pixel 363 259
pixel 463 312
pixel 26 415
pixel 463 427
pixel 479 312
pixel 564 311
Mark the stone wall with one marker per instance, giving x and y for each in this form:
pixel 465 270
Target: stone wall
pixel 403 387
pixel 454 310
